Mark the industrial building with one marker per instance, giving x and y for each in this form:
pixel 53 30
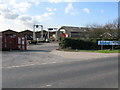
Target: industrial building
pixel 73 32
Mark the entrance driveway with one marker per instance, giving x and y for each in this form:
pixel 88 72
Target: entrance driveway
pixel 46 53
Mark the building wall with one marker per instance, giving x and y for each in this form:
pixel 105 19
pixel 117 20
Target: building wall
pixel 27 33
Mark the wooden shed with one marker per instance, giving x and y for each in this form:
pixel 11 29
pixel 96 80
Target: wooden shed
pixel 27 33
pixel 9 33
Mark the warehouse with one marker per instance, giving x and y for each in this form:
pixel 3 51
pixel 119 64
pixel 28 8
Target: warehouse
pixel 73 32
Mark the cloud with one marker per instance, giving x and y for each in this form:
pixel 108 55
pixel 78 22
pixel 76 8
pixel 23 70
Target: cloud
pixel 51 9
pixel 86 10
pixel 24 21
pixel 12 15
pixel 6 12
pixel 21 6
pixel 25 18
pixel 37 3
pixel 57 1
pixel 29 21
pixel 4 8
pixel 102 11
pixel 48 14
pixel 70 10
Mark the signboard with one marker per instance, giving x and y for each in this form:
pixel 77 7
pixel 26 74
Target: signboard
pixel 52 29
pixel 108 42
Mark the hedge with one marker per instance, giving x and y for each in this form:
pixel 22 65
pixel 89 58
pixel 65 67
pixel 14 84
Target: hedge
pixel 83 44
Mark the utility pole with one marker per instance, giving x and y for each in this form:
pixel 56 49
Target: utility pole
pixel 41 31
pixel 34 36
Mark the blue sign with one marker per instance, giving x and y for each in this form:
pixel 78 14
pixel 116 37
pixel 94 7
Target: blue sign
pixel 108 42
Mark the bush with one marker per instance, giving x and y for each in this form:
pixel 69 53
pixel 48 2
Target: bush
pixel 84 44
pixel 79 43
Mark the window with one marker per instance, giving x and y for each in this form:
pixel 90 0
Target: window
pixel 75 34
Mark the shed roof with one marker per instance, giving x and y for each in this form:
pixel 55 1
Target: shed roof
pixel 74 29
pixel 26 31
pixel 9 30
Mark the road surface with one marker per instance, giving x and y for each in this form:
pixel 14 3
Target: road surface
pixel 98 73
pixel 44 67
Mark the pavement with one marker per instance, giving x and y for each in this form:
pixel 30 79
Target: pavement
pixel 83 55
pixel 46 53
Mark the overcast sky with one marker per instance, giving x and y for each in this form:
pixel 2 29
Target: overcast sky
pixel 22 15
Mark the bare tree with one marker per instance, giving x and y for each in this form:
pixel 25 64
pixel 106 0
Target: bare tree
pixel 109 30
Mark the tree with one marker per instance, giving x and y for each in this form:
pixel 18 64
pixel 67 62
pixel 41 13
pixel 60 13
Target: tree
pixel 109 30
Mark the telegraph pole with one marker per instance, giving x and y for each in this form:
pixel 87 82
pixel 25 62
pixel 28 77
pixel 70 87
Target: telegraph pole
pixel 34 36
pixel 41 31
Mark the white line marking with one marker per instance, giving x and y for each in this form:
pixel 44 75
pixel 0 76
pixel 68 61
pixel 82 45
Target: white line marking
pixel 9 67
pixel 53 62
pixel 43 63
pixel 48 85
pixel 19 66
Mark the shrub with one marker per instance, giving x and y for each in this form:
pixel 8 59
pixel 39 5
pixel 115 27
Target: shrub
pixel 86 44
pixel 78 43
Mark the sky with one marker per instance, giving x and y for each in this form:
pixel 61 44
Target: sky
pixel 22 15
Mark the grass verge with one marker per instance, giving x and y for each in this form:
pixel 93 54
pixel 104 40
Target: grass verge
pixel 94 51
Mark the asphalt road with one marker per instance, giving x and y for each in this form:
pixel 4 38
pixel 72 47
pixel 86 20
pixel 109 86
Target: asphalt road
pixel 98 73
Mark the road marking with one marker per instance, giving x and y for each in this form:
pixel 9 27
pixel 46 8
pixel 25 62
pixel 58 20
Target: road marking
pixel 27 65
pixel 49 85
pixel 43 63
pixel 9 67
pixel 53 62
pixel 18 66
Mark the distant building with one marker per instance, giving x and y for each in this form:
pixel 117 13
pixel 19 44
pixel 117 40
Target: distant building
pixel 9 33
pixel 73 32
pixel 27 33
pixel 38 34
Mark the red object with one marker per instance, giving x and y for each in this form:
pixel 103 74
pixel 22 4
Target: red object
pixel 14 43
pixel 64 35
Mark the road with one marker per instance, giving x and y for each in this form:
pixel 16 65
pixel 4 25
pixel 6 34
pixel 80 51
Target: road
pixel 98 73
pixel 41 66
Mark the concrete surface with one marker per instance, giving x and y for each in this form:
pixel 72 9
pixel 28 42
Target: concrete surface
pixel 46 53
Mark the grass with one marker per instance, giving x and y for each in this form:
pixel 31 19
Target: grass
pixel 94 51
pixel 102 51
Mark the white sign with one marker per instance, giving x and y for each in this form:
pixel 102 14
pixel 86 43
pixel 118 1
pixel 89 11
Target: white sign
pixel 108 42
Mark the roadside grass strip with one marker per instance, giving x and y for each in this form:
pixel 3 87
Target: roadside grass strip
pixel 94 51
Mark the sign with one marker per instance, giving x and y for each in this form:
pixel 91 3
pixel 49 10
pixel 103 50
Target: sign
pixel 52 29
pixel 108 42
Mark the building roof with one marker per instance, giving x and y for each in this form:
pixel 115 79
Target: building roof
pixel 74 29
pixel 26 31
pixel 9 30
